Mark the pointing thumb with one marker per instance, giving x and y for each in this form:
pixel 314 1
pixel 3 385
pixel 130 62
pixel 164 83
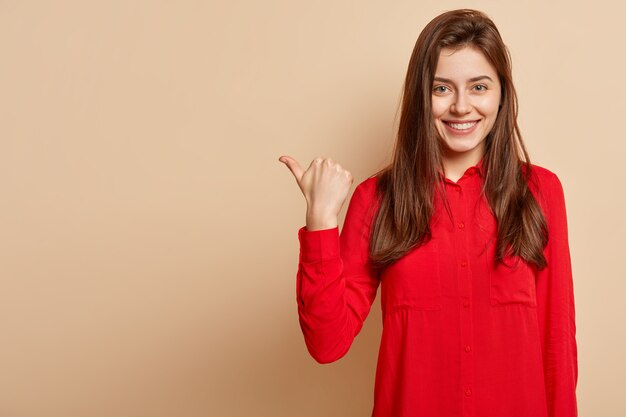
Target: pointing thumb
pixel 293 166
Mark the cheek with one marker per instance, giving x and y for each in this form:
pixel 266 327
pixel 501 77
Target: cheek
pixel 488 105
pixel 438 108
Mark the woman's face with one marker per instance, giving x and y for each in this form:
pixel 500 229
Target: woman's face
pixel 465 100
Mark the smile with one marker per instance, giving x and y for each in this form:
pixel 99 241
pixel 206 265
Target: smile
pixel 462 126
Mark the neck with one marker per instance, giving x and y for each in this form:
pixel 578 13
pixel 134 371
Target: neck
pixel 456 163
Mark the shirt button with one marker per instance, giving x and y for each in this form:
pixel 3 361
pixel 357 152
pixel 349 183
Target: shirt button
pixel 466 304
pixel 468 392
pixel 461 225
pixel 468 348
pixel 463 264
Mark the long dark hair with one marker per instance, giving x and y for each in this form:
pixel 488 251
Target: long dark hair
pixel 406 187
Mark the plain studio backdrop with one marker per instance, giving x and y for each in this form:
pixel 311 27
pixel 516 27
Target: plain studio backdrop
pixel 148 233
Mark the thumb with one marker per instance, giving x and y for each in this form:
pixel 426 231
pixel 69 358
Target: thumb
pixel 293 166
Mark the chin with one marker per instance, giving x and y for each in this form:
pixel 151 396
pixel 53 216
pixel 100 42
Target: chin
pixel 456 148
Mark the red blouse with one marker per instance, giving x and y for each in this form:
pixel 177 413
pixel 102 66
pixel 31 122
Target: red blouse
pixel 461 336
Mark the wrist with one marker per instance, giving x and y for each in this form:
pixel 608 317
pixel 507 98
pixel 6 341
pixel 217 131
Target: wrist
pixel 320 221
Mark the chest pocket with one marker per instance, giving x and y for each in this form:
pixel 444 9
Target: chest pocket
pixel 512 282
pixel 413 281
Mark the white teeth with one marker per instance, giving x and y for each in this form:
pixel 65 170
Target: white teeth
pixel 462 126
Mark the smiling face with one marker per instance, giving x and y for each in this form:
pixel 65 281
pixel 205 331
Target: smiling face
pixel 465 100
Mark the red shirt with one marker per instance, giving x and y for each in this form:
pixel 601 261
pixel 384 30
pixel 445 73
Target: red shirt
pixel 461 337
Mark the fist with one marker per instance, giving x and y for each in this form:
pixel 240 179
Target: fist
pixel 325 185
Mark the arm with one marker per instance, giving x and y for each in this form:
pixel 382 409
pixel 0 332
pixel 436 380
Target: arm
pixel 555 308
pixel 335 287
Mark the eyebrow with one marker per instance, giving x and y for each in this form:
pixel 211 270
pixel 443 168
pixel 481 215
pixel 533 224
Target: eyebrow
pixel 480 77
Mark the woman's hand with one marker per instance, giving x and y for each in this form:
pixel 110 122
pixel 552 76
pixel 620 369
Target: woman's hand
pixel 325 185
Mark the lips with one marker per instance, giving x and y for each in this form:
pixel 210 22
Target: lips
pixel 461 121
pixel 461 126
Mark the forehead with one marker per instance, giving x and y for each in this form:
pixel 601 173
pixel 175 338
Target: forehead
pixel 463 64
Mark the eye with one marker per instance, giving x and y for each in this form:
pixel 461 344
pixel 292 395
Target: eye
pixel 437 89
pixel 484 87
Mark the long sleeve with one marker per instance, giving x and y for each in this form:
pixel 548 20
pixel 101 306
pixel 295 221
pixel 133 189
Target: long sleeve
pixel 335 286
pixel 555 308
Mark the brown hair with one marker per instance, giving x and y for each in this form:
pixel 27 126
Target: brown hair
pixel 407 185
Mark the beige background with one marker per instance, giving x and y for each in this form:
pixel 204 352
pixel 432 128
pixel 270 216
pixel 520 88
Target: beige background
pixel 148 233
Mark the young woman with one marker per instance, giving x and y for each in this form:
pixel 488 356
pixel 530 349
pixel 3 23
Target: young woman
pixel 466 238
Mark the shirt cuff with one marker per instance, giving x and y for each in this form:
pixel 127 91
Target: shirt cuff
pixel 318 245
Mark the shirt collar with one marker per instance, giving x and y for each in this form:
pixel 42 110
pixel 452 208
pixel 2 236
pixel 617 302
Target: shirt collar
pixel 474 169
pixel 479 168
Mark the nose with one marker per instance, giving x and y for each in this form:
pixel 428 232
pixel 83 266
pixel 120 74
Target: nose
pixel 461 105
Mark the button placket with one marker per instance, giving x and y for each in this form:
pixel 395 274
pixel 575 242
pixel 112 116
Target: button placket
pixel 462 249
